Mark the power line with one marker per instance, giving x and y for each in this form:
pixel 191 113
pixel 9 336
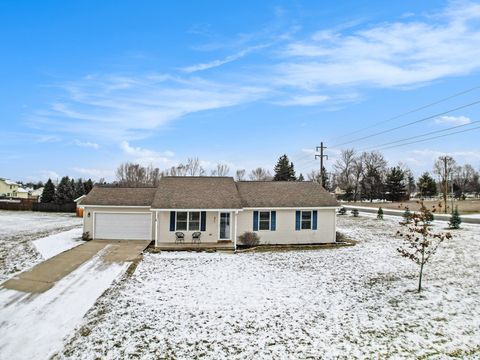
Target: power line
pixel 419 136
pixel 430 138
pixel 410 123
pixel 409 112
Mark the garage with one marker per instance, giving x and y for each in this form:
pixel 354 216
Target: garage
pixel 123 226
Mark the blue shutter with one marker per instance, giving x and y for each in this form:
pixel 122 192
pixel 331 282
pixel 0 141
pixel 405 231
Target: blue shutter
pixel 172 220
pixel 273 220
pixel 314 220
pixel 255 221
pixel 203 221
pixel 297 220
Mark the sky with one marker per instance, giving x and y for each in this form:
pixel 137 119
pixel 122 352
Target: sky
pixel 87 85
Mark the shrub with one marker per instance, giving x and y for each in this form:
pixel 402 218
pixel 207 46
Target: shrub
pixel 340 237
pixel 455 219
pixel 380 214
pixel 355 212
pixel 342 211
pixel 249 238
pixel 86 236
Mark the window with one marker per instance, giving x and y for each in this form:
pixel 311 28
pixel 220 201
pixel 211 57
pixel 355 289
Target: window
pixel 306 220
pixel 188 220
pixel 194 221
pixel 264 220
pixel 182 220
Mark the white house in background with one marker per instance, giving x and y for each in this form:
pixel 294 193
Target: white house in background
pixel 218 208
pixel 8 188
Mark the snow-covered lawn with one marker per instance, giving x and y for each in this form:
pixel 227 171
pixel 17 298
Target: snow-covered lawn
pixel 33 326
pixel 17 231
pixel 52 245
pixel 356 302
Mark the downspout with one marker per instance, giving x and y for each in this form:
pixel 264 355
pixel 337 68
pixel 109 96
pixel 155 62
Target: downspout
pixel 156 228
pixel 235 233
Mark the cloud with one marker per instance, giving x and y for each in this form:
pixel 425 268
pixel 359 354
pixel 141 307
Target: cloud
pixel 397 54
pixel 49 174
pixel 220 62
pixel 303 100
pixel 115 107
pixel 453 120
pixel 146 156
pixel 86 144
pixel 95 173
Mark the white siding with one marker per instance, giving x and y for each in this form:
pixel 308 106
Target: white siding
pixel 285 232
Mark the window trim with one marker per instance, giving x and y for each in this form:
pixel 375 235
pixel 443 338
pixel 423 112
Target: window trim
pixel 269 220
pixel 301 219
pixel 188 221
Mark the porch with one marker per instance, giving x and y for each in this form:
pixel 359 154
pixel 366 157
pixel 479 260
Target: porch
pixel 217 229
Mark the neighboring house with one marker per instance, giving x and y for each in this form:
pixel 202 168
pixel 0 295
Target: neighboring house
pixel 218 207
pixel 37 193
pixel 8 188
pixel 22 193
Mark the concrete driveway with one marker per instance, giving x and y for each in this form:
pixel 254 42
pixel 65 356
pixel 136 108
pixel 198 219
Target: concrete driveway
pixel 43 276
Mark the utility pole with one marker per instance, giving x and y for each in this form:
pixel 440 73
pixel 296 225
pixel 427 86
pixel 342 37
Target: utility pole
pixel 321 156
pixel 445 181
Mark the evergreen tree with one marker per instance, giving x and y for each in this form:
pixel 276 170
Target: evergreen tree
pixel 395 185
pixel 455 219
pixel 342 211
pixel 355 212
pixel 300 177
pixel 426 185
pixel 65 191
pixel 372 185
pixel 88 186
pixel 48 194
pixel 325 182
pixel 380 214
pixel 79 189
pixel 284 170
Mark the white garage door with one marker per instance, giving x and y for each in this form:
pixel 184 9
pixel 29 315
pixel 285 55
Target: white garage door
pixel 121 226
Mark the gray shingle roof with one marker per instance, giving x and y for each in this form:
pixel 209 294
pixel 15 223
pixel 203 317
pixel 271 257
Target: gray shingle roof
pixel 117 196
pixel 200 192
pixel 214 193
pixel 264 194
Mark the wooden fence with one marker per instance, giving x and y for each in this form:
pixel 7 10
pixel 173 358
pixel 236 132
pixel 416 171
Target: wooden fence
pixel 33 205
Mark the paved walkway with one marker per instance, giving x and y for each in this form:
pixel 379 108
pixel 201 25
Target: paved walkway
pixel 44 275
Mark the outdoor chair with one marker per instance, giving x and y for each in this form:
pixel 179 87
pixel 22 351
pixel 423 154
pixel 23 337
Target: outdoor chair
pixel 196 237
pixel 179 237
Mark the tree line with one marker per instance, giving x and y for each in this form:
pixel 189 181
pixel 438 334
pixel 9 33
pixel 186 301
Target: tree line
pixel 66 191
pixel 367 176
pixel 359 176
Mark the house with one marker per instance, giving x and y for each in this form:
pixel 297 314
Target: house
pixel 217 207
pixel 8 188
pixel 37 193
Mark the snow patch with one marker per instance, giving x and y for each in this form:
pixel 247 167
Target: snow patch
pixel 55 244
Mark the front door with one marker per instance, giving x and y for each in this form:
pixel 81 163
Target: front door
pixel 224 226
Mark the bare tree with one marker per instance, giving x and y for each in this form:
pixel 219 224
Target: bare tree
pixel 135 175
pixel 222 169
pixel 420 243
pixel 260 174
pixel 464 178
pixel 444 167
pixel 314 176
pixel 193 166
pixel 240 175
pixel 343 168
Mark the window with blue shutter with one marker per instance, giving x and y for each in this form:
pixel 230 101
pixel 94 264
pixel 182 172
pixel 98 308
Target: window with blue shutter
pixel 314 220
pixel 255 221
pixel 172 220
pixel 297 220
pixel 273 220
pixel 203 221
